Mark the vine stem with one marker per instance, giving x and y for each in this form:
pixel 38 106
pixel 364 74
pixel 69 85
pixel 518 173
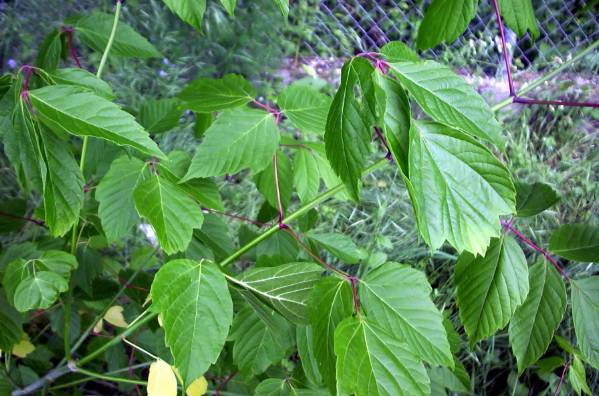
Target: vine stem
pixel 68 302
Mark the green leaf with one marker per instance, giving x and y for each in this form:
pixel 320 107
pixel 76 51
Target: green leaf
pixel 397 298
pixel 532 199
pixel 534 322
pixel 160 115
pixel 578 242
pixel 39 291
pixel 229 5
pixel 285 288
pixel 490 288
pixel 170 211
pixel 283 6
pixel 306 107
pixel 371 362
pixel 280 248
pixel 114 194
pixel 585 310
pixel 305 340
pixel 206 95
pixel 257 345
pixel 456 380
pixel 306 176
pixel 459 189
pixel 63 188
pixel 84 79
pixel 448 99
pixel 265 181
pixel 94 30
pixel 339 245
pixel 16 209
pixel 348 129
pixel 577 377
pixel 202 123
pixel 194 303
pixel 50 51
pixel 238 139
pixel 395 117
pixel 190 11
pixel 215 234
pixel 396 51
pixel 10 325
pixel 284 387
pixel 69 109
pixel 519 15
pixel 444 21
pixel 329 303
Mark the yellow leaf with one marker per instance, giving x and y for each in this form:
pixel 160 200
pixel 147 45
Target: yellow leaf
pixel 161 380
pixel 160 320
pixel 115 317
pixel 99 326
pixel 24 347
pixel 198 387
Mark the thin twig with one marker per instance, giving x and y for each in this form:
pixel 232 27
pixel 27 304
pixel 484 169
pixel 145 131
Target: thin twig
pixel 561 378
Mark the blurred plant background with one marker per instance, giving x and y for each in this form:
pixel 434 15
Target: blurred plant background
pixel 555 145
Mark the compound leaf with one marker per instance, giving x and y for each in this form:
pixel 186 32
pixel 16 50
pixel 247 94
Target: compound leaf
pixel 306 176
pixel 39 291
pixel 265 181
pixel 206 95
pixel 519 15
pixel 306 107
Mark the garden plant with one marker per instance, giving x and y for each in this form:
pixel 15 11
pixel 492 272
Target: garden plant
pixel 270 314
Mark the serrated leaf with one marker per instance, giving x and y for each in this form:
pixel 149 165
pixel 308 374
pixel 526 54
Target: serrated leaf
pixel 585 310
pixel 578 242
pixel 39 291
pixel 63 187
pixel 456 380
pixel 114 194
pixel 305 107
pixel 396 51
pixel 459 189
pixel 84 79
pixel 490 288
pixel 197 292
pixel 329 303
pixel 50 51
pixel 348 135
pixel 10 325
pixel 339 245
pixel 238 139
pixel 206 95
pixel 397 298
pixel 258 345
pixel 161 379
pixel 577 377
pixel 280 248
pixel 170 211
pixel 444 21
pixel 285 288
pixel 190 11
pixel 306 176
pixel 215 234
pixel 519 15
pixel 94 30
pixel 371 362
pixel 229 6
pixel 532 199
pixel 265 181
pixel 70 109
pixel 448 99
pixel 160 115
pixel 304 340
pixel 534 322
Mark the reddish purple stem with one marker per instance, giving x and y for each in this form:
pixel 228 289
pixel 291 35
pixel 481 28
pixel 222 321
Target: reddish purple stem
pixel 379 134
pixel 69 31
pixel 504 45
pixel 561 379
pixel 566 103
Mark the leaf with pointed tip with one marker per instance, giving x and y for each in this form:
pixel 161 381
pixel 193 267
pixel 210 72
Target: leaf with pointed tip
pixel 306 176
pixel 238 139
pixel 532 199
pixel 306 107
pixel 534 322
pixel 170 211
pixel 585 310
pixel 444 21
pixel 114 194
pixel 265 181
pixel 371 362
pixel 194 303
pixel 397 51
pixel 448 99
pixel 94 30
pixel 229 5
pixel 84 79
pixel 257 345
pixel 459 188
pixel 577 377
pixel 339 245
pixel 63 187
pixel 50 51
pixel 70 109
pixel 329 303
pixel 491 288
pixel 286 288
pixel 397 298
pixel 190 11
pixel 304 340
pixel 160 115
pixel 519 15
pixel 348 129
pixel 206 95
pixel 578 242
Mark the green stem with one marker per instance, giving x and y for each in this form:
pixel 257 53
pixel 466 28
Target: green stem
pixel 539 81
pixel 110 378
pixel 85 379
pixel 68 302
pixel 298 213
